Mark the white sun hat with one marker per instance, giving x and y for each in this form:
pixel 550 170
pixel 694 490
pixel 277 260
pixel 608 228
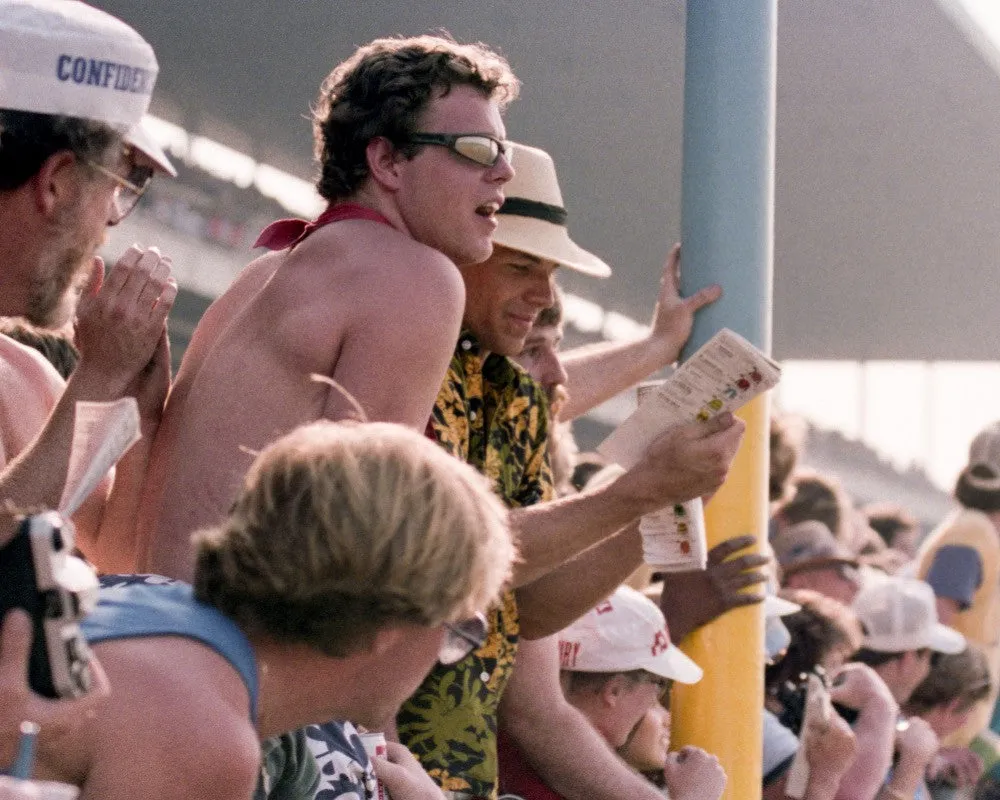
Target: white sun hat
pixel 143 140
pixel 532 219
pixel 624 633
pixel 68 58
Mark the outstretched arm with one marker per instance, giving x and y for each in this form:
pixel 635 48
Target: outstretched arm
pixel 598 372
pixel 685 462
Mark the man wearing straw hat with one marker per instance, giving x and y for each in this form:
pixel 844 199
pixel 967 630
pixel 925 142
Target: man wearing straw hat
pixel 75 83
pixel 493 415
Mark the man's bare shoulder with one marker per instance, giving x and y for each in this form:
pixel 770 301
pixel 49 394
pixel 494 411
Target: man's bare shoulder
pixel 369 254
pixel 173 696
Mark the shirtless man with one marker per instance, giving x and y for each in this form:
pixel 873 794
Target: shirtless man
pixel 75 159
pixel 372 301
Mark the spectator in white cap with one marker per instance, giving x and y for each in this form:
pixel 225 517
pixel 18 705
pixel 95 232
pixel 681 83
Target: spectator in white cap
pixel 901 632
pixel 842 761
pixel 617 660
pixel 960 559
pixel 901 627
pixel 75 83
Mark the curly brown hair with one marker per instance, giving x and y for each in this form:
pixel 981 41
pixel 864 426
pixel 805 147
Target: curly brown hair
pixel 383 88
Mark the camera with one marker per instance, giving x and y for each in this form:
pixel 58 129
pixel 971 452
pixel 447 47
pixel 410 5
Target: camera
pixel 792 696
pixel 39 574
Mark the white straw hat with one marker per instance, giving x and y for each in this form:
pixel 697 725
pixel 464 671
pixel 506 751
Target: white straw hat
pixel 624 633
pixel 533 217
pixel 68 58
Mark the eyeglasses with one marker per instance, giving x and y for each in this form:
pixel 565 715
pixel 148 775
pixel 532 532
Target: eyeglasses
pixel 461 638
pixel 664 696
pixel 663 684
pixel 479 148
pixel 128 189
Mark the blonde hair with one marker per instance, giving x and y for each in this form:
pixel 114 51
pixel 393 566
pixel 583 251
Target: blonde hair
pixel 344 528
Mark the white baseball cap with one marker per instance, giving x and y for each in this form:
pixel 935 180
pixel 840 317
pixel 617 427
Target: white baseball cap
pixel 776 607
pixel 624 633
pixel 900 614
pixel 68 58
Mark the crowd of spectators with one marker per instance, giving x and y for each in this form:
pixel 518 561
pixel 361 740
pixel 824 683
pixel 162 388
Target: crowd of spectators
pixel 359 507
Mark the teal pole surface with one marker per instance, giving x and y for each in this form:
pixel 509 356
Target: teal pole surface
pixel 727 201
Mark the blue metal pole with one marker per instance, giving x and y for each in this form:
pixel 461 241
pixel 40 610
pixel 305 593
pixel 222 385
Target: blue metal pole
pixel 727 224
pixel 727 204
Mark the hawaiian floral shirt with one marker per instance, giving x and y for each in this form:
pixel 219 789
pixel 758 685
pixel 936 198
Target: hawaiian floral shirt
pixel 493 415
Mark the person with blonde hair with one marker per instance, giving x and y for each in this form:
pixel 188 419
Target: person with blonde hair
pixel 354 558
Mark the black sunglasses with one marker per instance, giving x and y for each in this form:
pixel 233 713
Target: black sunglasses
pixel 128 188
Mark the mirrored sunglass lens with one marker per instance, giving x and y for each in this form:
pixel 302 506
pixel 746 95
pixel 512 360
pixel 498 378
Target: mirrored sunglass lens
pixel 462 638
pixel 479 149
pixel 454 648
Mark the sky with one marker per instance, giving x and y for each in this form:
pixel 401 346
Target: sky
pixel 985 28
pixel 914 413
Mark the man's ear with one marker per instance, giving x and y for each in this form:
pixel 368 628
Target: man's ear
pixel 384 161
pixel 56 182
pixel 613 690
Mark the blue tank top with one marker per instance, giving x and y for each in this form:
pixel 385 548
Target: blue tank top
pixel 132 606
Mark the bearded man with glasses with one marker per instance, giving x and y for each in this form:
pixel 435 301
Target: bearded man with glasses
pixel 74 159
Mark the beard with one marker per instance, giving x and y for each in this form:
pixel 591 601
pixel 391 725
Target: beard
pixel 58 282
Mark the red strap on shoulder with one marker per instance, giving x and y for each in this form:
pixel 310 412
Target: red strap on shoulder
pixel 287 233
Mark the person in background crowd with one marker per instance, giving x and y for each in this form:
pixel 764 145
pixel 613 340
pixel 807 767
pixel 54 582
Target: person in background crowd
pixel 616 661
pixel 786 439
pixel 960 559
pixel 810 557
pixel 898 528
pixel 814 496
pixel 843 762
pixel 944 699
pixel 901 632
pixel 823 633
